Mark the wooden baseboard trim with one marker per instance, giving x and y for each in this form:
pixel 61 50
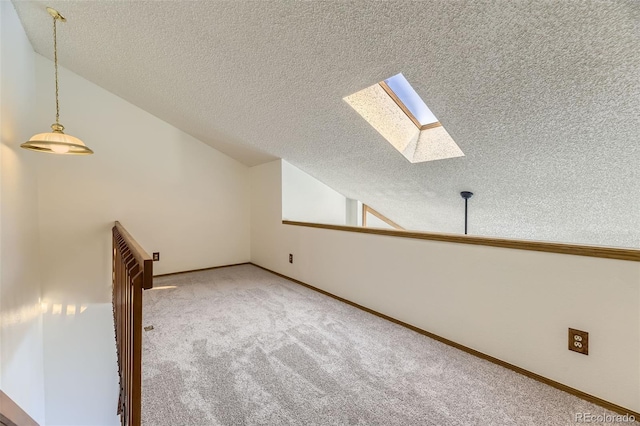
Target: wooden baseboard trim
pixel 580 394
pixel 202 269
pixel 12 415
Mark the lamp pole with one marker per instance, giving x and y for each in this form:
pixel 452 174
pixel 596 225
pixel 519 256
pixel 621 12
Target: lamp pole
pixel 466 195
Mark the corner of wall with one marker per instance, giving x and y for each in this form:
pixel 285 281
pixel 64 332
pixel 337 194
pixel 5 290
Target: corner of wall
pixel 21 330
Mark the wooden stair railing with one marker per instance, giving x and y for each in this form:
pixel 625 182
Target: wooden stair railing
pixel 132 272
pixel 366 209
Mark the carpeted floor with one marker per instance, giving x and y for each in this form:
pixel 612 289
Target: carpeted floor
pixel 241 346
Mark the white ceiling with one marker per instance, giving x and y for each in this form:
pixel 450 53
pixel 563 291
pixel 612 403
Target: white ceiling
pixel 543 98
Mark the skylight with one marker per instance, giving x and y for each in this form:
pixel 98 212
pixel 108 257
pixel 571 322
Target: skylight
pixel 410 99
pixel 398 113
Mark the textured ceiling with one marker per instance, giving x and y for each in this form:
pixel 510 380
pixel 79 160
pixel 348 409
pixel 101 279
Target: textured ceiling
pixel 543 98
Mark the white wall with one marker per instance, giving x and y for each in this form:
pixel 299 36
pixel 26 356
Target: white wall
pixel 515 305
pixel 81 379
pixel 174 194
pixel 352 212
pixel 21 363
pixel 306 199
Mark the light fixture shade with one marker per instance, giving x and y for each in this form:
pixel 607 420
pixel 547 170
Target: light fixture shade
pixel 57 142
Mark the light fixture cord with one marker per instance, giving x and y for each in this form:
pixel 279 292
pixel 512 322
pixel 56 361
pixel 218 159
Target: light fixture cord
pixel 55 61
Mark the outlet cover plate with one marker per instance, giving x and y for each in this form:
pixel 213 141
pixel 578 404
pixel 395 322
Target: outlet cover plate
pixel 579 341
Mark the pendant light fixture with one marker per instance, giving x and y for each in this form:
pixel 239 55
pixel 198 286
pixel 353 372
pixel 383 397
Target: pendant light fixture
pixel 56 142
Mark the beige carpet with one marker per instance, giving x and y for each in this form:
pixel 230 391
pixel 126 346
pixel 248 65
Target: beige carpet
pixel 241 346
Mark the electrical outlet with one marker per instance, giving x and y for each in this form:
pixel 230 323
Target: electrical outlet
pixel 579 341
pixel 290 258
pixel 156 256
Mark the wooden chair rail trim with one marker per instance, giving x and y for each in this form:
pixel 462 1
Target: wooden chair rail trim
pixel 561 248
pixel 12 415
pixel 366 209
pixel 580 394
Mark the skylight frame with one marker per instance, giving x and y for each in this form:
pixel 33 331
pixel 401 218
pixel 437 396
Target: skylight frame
pixel 386 112
pixel 412 93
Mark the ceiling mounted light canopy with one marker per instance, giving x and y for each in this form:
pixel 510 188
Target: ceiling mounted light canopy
pixel 56 142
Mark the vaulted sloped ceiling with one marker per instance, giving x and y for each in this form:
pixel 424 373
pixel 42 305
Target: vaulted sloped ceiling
pixel 543 98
